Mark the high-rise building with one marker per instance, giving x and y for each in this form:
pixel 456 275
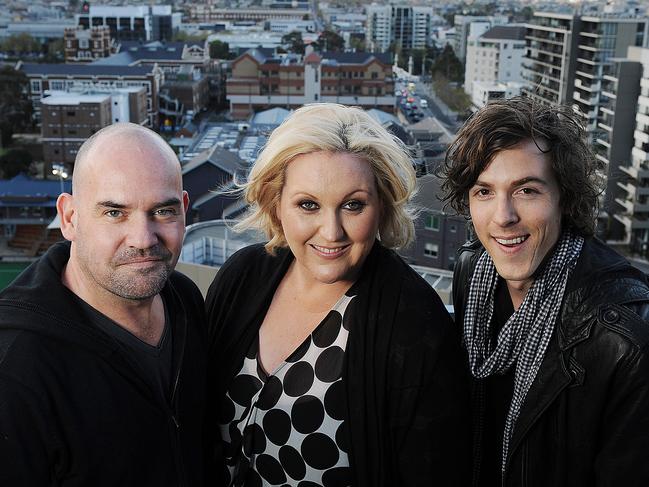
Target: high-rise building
pixel 567 54
pixel 404 26
pixel 599 40
pixel 632 209
pixel 549 66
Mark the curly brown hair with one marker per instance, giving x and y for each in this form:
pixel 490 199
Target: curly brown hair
pixel 503 124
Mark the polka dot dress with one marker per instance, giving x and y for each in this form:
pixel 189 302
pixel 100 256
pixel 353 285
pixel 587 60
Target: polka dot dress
pixel 289 428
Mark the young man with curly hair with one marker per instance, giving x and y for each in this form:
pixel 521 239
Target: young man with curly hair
pixel 554 321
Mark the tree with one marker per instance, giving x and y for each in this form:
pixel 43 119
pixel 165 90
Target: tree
pixel 357 43
pixel 448 65
pixel 328 40
pixel 219 50
pixel 293 42
pixel 15 161
pixel 15 106
pixel 21 44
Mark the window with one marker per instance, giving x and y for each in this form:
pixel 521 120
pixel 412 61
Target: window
pixel 431 250
pixel 431 222
pixel 57 85
pixel 453 228
pixel 36 86
pixel 83 43
pixel 71 114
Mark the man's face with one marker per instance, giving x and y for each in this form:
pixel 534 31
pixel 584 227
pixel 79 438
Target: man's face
pixel 129 218
pixel 516 211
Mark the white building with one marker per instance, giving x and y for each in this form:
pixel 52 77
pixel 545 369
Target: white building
pixel 495 56
pixel 487 91
pixel 405 26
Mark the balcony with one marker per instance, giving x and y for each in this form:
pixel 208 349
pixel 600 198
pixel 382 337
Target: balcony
pixel 640 154
pixel 629 188
pixel 642 137
pixel 626 204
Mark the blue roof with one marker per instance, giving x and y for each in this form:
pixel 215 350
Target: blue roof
pixel 85 69
pixel 134 52
pixel 21 189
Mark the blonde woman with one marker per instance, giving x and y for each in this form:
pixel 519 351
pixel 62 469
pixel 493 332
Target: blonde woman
pixel 332 362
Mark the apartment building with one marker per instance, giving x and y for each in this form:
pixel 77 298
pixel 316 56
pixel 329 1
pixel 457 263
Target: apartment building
pixel 260 80
pixel 567 54
pixel 87 45
pixel 495 56
pixel 549 66
pixel 600 39
pixel 404 26
pixel 44 78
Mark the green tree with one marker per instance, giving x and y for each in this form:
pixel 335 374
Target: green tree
pixel 21 44
pixel 219 50
pixel 448 65
pixel 328 40
pixel 182 36
pixel 15 105
pixel 15 161
pixel 455 98
pixel 293 42
pixel 527 12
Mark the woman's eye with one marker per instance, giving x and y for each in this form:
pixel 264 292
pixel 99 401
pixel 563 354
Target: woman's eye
pixel 308 205
pixel 354 205
pixel 528 191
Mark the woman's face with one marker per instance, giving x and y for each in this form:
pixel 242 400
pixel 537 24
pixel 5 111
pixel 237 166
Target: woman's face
pixel 329 210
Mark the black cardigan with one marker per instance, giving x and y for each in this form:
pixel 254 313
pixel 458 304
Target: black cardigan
pixel 406 382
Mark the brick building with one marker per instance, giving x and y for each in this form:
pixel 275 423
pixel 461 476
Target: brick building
pixel 260 80
pixel 87 45
pixel 68 119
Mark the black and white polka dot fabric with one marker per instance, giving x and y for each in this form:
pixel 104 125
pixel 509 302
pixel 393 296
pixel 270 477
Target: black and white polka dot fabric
pixel 289 428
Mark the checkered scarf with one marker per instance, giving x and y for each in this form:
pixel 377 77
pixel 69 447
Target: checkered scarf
pixel 523 340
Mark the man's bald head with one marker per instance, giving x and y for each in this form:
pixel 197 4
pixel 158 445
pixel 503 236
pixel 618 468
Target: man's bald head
pixel 126 216
pixel 115 136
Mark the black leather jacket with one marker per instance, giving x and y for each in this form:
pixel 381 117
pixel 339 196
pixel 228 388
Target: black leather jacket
pixel 585 420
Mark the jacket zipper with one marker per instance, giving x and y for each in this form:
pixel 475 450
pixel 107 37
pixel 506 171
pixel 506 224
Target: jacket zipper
pixel 180 464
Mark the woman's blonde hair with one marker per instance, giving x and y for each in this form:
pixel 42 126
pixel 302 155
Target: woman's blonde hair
pixel 330 127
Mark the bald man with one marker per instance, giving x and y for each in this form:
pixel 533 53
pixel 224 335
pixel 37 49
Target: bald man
pixel 102 344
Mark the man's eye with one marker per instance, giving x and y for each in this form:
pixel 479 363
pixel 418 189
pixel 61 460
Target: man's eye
pixel 529 191
pixel 114 213
pixel 166 212
pixel 482 192
pixel 308 205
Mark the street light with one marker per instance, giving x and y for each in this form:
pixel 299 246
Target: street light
pixel 60 171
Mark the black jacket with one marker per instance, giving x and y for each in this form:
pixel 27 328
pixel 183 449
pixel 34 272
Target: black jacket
pixel 585 420
pixel 406 384
pixel 75 409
